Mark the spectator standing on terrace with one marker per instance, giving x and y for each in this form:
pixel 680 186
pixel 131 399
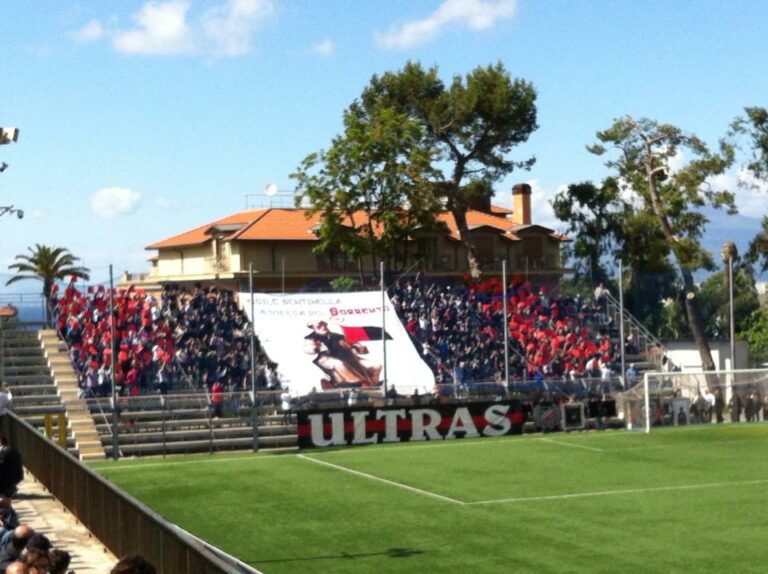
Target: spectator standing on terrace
pixel 719 405
pixel 6 399
pixel 217 399
pixel 11 468
pixel 352 398
pixel 601 300
pixel 632 375
pixel 285 405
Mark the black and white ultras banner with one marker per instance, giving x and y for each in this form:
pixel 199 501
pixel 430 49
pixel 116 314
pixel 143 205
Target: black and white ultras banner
pixel 351 426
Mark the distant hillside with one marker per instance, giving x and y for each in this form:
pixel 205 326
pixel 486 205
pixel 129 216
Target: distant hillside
pixel 740 229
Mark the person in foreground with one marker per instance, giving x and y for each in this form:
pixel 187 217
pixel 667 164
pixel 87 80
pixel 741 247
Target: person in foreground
pixel 133 564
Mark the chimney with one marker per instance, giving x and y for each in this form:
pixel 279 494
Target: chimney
pixel 521 204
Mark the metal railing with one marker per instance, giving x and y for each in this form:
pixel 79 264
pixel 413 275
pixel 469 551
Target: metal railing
pixel 647 343
pixel 119 521
pixel 191 422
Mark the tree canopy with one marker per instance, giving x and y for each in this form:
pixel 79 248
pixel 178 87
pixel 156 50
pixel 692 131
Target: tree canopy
pixel 669 196
pixel 47 264
pixel 372 186
pixel 458 136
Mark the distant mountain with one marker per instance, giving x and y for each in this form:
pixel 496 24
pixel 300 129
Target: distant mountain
pixel 740 229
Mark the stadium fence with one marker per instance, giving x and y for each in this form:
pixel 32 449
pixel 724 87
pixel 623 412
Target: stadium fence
pixel 120 522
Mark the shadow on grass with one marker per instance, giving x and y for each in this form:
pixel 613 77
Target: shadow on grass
pixel 390 553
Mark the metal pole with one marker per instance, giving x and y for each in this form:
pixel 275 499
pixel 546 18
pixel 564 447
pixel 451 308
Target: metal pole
pixel 621 320
pixel 383 327
pixel 2 350
pixel 253 333
pixel 254 406
pixel 115 436
pixel 506 323
pixel 730 301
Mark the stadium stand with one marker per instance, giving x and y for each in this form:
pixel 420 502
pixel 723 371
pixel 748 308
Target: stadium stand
pixel 171 348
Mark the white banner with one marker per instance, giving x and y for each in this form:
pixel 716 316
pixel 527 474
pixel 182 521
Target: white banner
pixel 334 341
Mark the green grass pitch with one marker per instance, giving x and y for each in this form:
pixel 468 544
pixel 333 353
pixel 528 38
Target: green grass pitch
pixel 677 500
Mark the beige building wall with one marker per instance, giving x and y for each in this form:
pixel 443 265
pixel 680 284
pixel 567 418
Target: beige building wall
pixel 185 261
pixel 535 252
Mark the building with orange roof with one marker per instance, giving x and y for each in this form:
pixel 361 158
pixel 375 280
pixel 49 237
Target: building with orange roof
pixel 279 244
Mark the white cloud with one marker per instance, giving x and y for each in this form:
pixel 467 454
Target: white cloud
pixel 751 193
pixel 91 32
pixel 162 29
pixel 112 201
pixel 168 27
pixel 34 214
pixel 325 48
pixel 230 27
pixel 475 14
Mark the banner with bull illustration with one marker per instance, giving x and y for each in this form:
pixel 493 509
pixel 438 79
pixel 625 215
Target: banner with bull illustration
pixel 336 341
pixel 358 426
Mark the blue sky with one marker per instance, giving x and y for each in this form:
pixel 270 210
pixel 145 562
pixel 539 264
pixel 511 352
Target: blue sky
pixel 139 120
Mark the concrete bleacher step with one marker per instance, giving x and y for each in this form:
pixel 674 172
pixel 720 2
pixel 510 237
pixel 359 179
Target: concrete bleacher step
pixel 29 379
pixel 26 370
pixel 20 389
pixel 80 421
pixel 283 443
pixel 25 361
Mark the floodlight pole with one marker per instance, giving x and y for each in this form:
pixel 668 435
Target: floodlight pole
pixel 254 405
pixel 253 334
pixel 383 328
pixel 115 436
pixel 506 323
pixel 621 322
pixel 730 303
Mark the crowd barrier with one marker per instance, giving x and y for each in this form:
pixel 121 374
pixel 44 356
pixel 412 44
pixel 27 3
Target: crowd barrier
pixel 120 522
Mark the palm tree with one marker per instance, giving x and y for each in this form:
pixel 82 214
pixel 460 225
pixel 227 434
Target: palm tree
pixel 47 264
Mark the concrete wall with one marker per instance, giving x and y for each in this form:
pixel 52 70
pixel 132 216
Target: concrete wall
pixel 685 355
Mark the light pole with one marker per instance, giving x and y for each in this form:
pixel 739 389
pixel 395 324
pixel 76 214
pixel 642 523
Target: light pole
pixel 728 254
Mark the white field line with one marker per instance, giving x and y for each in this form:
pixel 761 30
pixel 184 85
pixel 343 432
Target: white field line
pixel 384 480
pixel 214 459
pixel 572 445
pixel 509 441
pixel 618 492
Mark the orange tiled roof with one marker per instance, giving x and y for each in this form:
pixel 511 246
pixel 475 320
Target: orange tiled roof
pixel 200 235
pixel 280 223
pixel 291 224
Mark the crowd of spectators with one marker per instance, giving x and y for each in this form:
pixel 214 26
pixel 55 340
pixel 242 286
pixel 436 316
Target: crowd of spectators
pixel 460 332
pixel 25 551
pixel 200 338
pixel 186 338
